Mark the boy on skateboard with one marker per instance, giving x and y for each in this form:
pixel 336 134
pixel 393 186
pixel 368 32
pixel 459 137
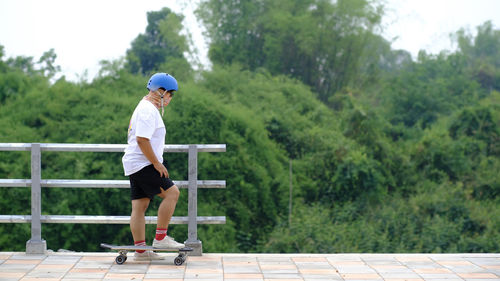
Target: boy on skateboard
pixel 142 163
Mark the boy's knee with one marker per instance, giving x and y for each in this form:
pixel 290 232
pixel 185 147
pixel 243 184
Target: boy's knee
pixel 174 192
pixel 140 206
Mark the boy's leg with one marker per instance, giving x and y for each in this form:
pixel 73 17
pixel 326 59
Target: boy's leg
pixel 137 219
pixel 167 206
pixel 165 212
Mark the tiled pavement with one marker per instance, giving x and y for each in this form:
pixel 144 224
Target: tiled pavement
pixel 279 267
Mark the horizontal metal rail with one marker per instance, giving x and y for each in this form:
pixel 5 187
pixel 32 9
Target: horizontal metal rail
pixel 106 147
pixel 101 183
pixel 36 245
pixel 106 219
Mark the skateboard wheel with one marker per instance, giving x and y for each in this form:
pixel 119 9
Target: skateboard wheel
pixel 178 260
pixel 120 259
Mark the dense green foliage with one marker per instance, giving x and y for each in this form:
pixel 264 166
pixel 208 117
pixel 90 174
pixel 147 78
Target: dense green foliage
pixel 320 43
pixel 394 156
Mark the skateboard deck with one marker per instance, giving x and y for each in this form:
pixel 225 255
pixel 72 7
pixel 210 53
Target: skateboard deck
pixel 124 249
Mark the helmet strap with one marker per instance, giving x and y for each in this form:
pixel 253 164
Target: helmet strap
pixel 162 107
pixel 161 103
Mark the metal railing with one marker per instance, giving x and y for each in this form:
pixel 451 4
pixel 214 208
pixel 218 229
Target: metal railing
pixel 36 245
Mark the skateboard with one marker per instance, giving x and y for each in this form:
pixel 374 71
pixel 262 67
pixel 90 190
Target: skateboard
pixel 123 250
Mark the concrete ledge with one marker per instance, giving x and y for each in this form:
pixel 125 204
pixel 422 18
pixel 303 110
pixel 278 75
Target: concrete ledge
pixel 36 247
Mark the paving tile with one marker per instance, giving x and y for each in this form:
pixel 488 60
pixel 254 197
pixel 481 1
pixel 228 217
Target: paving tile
pixel 476 269
pixel 343 258
pixel 391 268
pixel 441 270
pixel 315 277
pixel 13 275
pixel 242 269
pixel 203 271
pixel 355 269
pixel 314 265
pixel 309 259
pixel 152 278
pixel 45 274
pixel 22 256
pixel 279 269
pixel 360 276
pixel 39 279
pixel 278 266
pixel 243 276
pixel 16 267
pixel 284 279
pixel 454 263
pixel 240 263
pixel 54 267
pixel 119 276
pixel 422 265
pixel 319 271
pixel 239 279
pixel 346 263
pixel 204 279
pixel 478 275
pixel 203 258
pixel 439 276
pixel 202 263
pixel 164 276
pixel 22 261
pixel 81 279
pixel 403 279
pixel 88 270
pixel 274 259
pixel 239 258
pixel 496 279
pixel 456 278
pixel 386 262
pixel 60 260
pixel 157 269
pixel 281 276
pixel 98 259
pixel 218 276
pixel 93 264
pixel 413 258
pixel 409 275
pixel 129 269
pixel 483 261
pixel 491 266
pixel 380 260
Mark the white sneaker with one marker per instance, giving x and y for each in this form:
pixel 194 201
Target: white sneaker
pixel 167 243
pixel 147 256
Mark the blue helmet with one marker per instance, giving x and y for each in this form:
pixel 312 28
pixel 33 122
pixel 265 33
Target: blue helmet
pixel 162 80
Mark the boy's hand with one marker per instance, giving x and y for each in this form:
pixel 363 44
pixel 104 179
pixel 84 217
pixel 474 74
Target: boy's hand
pixel 161 169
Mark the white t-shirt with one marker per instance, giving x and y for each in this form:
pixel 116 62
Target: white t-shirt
pixel 146 122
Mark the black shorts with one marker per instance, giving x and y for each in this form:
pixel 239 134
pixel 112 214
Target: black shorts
pixel 147 182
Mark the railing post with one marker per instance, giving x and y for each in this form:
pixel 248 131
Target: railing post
pixel 192 240
pixel 36 245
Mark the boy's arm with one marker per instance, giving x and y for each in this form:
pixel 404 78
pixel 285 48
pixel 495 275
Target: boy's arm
pixel 147 150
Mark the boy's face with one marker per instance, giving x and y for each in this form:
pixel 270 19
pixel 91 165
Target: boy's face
pixel 167 96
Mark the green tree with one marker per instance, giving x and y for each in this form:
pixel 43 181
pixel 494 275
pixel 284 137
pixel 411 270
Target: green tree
pixel 160 46
pixel 319 42
pixel 483 54
pixel 47 64
pixel 429 88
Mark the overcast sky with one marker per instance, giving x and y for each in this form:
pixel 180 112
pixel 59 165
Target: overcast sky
pixel 83 32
